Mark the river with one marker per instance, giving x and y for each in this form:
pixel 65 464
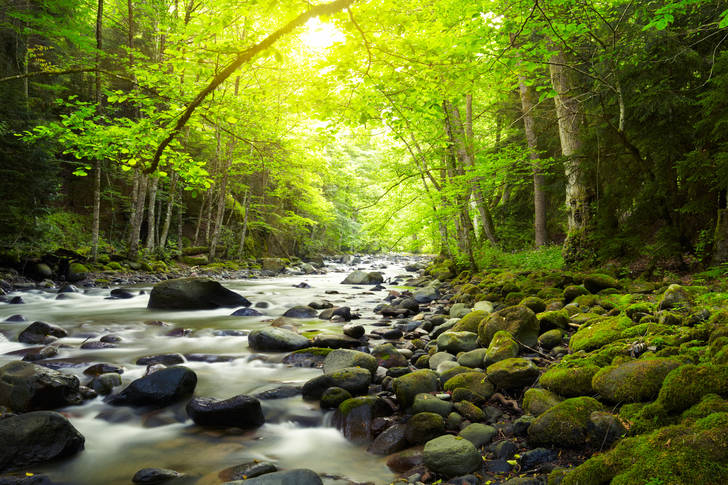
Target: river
pixel 122 440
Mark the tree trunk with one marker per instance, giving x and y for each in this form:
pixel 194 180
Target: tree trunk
pixel 170 207
pixel 136 223
pixel 720 239
pixel 97 163
pixel 539 195
pixel 246 204
pixel 199 220
pixel 151 218
pixel 571 119
pixel 221 202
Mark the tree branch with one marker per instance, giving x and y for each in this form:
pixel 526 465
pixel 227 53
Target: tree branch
pixel 240 59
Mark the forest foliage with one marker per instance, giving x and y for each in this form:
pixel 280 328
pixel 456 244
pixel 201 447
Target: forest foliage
pixel 463 128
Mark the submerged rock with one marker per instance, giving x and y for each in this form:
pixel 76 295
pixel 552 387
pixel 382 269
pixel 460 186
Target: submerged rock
pixel 301 476
pixel 154 476
pixel 277 340
pixel 193 294
pixel 35 438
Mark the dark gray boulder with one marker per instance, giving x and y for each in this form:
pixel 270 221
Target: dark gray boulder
pixel 30 387
pixel 300 476
pixel 237 412
pixel 41 333
pixel 36 437
pixel 193 294
pixel 363 278
pixel 301 311
pixel 154 476
pixel 159 389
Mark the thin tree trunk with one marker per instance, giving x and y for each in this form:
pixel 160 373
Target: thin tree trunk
pixel 221 201
pixel 539 180
pixel 571 121
pixel 180 223
pixel 246 205
pixel 97 163
pixel 151 218
pixel 136 223
pixel 199 220
pixel 170 207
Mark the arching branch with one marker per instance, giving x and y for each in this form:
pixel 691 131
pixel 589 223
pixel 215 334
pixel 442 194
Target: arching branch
pixel 240 59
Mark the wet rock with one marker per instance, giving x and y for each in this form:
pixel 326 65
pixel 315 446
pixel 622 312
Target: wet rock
pixel 16 300
pixel 110 338
pixel 302 285
pixel 511 374
pixel 478 434
pixel 193 294
pixel 405 460
pixel 246 312
pixel 35 438
pixel 409 385
pixel 280 392
pixel 96 345
pixel 469 411
pixel 519 321
pixel 438 358
pixel 299 476
pixel 455 342
pixel 340 359
pixel 504 449
pixel 153 476
pixel 15 318
pixel 474 358
pixel 333 341
pixel 353 330
pixel 354 379
pixel 343 312
pixel 532 458
pixel 426 295
pixel 247 470
pixel 164 359
pixel 158 389
pixel 470 321
pixel 40 353
pixel 308 357
pixel 389 441
pixel 300 311
pixel 635 381
pixel 23 479
pixel 422 427
pixel 550 339
pixel 388 356
pixel 333 396
pixel 68 288
pixel 29 387
pixel 236 412
pixel 105 383
pixel 321 304
pixel 363 278
pixel 98 369
pixel 41 333
pixel 276 340
pixel 354 417
pixel 451 456
pixel 121 294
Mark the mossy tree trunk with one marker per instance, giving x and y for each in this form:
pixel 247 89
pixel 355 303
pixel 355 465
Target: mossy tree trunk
pixel 572 121
pixel 720 240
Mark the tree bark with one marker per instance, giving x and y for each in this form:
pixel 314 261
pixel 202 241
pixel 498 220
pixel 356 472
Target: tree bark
pixel 246 204
pixel 151 218
pixel 136 223
pixel 539 180
pixel 579 197
pixel 97 163
pixel 170 207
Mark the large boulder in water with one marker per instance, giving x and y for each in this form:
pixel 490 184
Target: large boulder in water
pixel 41 333
pixel 299 476
pixel 193 294
pixel 29 387
pixel 276 340
pixel 36 437
pixel 237 412
pixel 363 278
pixel 159 389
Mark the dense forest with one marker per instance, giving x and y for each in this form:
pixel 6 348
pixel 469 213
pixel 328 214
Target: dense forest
pixel 138 128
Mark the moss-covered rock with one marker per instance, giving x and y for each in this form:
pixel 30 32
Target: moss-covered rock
pixel 455 342
pixel 567 424
pixel 424 426
pixel 537 401
pixel 675 297
pixel 76 272
pixel 599 333
pixel 673 455
pixel 635 381
pixel 409 385
pixel 569 381
pixel 636 311
pixel 469 323
pixel 475 382
pixel 342 358
pixel 685 386
pixel 501 347
pixel 469 411
pixel 451 456
pixel 598 282
pixel 431 404
pixel 552 338
pixel 333 396
pixel 447 374
pixel 572 292
pixel 536 304
pixel 519 321
pixel 511 374
pixel 553 319
pixel 478 434
pixel 474 358
pixel 388 356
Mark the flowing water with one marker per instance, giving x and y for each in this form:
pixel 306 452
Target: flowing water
pixel 122 440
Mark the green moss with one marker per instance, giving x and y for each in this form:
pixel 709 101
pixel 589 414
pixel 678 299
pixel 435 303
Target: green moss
pixel 674 455
pixel 470 322
pixel 514 297
pixel 476 382
pixel 709 404
pixel 537 401
pixel 318 351
pixel 537 305
pixel 644 329
pixel 636 311
pixel 635 381
pixel 566 424
pixel 586 301
pixel 569 381
pixel 599 333
pixel 686 385
pixel 115 266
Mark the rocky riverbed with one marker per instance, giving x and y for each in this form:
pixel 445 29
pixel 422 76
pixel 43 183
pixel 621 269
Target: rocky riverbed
pixel 372 373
